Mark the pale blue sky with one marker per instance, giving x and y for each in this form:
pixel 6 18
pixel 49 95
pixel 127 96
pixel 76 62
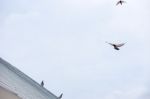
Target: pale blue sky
pixel 63 43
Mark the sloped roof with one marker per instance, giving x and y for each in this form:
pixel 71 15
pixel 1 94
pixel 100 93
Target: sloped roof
pixel 18 79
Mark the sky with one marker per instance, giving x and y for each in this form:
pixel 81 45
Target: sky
pixel 63 42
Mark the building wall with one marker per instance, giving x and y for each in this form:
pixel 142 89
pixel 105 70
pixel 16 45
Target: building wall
pixel 19 83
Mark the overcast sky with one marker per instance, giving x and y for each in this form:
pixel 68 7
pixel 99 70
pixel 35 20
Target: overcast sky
pixel 63 43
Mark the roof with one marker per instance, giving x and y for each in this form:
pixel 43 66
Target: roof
pixel 21 84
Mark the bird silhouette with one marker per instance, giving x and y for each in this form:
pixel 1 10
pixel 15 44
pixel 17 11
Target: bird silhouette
pixel 120 2
pixel 116 46
pixel 60 96
pixel 42 83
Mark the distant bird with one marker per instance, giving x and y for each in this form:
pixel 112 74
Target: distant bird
pixel 120 2
pixel 60 96
pixel 116 45
pixel 42 83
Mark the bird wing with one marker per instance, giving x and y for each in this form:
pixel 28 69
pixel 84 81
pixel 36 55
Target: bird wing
pixel 119 45
pixel 111 43
pixel 123 1
pixel 117 3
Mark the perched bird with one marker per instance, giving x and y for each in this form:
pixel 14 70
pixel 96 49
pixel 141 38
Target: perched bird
pixel 116 45
pixel 60 96
pixel 42 83
pixel 120 2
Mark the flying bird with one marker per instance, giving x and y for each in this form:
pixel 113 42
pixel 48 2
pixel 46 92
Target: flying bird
pixel 120 2
pixel 116 46
pixel 42 83
pixel 60 96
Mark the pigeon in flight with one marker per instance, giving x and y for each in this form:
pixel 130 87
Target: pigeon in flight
pixel 116 46
pixel 42 83
pixel 120 2
pixel 60 96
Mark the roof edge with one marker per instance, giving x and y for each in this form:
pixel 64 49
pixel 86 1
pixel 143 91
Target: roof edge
pixel 27 78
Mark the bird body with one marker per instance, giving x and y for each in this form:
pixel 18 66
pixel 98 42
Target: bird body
pixel 42 83
pixel 115 47
pixel 120 2
pixel 60 96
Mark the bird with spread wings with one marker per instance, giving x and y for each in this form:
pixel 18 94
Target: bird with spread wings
pixel 116 46
pixel 120 2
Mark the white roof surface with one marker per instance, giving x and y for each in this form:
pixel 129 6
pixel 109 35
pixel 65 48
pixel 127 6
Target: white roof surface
pixel 16 81
pixel 6 94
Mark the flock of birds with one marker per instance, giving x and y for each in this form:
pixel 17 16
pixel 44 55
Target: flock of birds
pixel 116 47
